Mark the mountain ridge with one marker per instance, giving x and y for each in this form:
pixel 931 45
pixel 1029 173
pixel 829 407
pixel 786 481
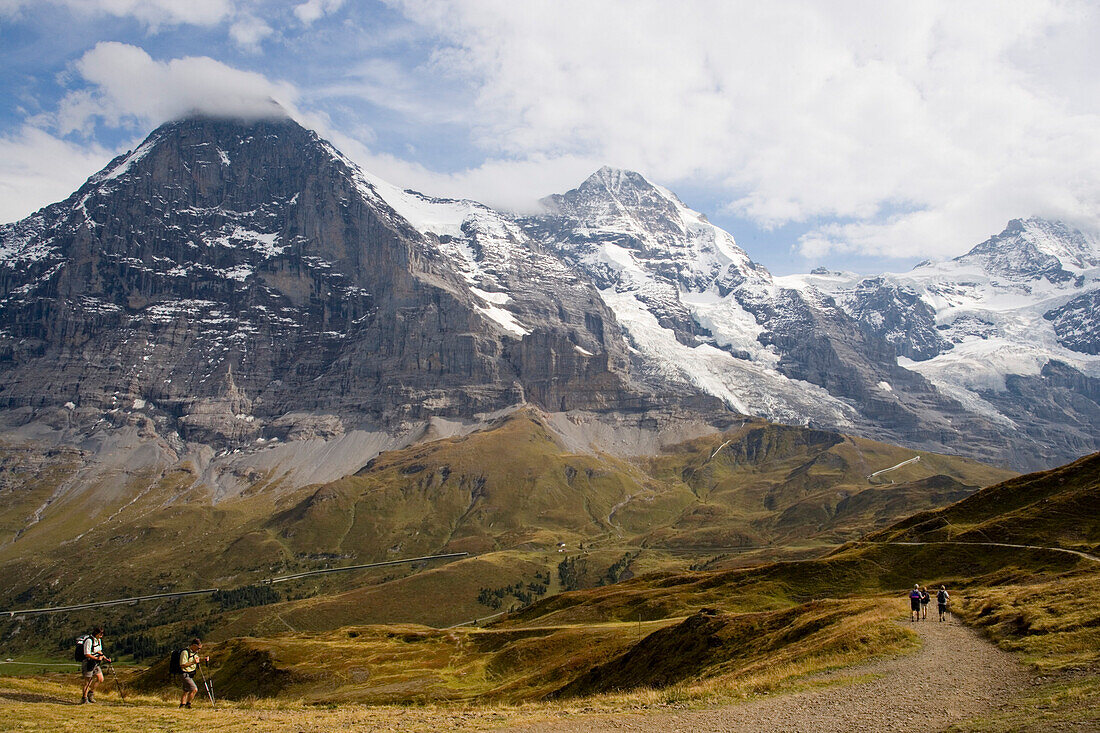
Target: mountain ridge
pixel 227 285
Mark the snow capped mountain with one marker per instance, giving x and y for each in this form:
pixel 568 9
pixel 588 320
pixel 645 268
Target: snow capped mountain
pixel 1032 249
pixel 678 284
pixel 617 210
pixel 696 309
pixel 1015 316
pixel 232 283
pixel 235 284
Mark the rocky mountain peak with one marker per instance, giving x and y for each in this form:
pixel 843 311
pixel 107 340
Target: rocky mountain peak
pixel 620 183
pixel 619 198
pixel 1035 248
pixel 241 280
pixel 630 230
pixel 210 162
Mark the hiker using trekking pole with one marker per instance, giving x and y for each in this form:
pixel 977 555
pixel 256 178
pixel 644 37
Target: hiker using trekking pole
pixel 942 597
pixel 89 652
pixel 914 603
pixel 186 661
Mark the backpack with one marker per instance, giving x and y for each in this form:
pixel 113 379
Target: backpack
pixel 942 597
pixel 174 662
pixel 79 655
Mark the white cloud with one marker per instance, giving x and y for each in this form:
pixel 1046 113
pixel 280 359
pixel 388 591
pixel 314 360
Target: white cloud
pixel 957 116
pixel 128 84
pixel 249 32
pixel 507 185
pixel 153 13
pixel 313 10
pixel 37 168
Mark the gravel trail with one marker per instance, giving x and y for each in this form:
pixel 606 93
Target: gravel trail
pixel 955 675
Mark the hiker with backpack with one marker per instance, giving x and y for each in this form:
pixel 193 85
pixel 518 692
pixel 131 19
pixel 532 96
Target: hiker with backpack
pixel 914 603
pixel 925 599
pixel 942 597
pixel 184 662
pixel 89 652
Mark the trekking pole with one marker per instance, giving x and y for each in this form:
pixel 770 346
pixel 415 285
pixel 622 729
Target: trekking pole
pixel 209 687
pixel 118 683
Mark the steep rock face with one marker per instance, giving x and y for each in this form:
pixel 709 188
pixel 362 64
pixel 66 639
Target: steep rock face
pixel 1077 323
pixel 1029 249
pixel 696 309
pixel 896 314
pixel 230 283
pixel 1008 329
pixel 225 275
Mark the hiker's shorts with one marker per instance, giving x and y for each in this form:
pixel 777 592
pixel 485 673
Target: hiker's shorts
pixel 187 683
pixel 943 608
pixel 90 668
pixel 914 604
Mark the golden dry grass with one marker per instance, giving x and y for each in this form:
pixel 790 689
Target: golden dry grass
pixel 47 703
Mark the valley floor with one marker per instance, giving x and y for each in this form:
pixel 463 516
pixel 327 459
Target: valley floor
pixel 955 676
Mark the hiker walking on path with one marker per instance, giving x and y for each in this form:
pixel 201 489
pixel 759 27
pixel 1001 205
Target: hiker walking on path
pixel 914 603
pixel 91 654
pixel 188 663
pixel 942 597
pixel 925 599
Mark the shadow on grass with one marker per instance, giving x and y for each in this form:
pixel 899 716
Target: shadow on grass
pixel 35 697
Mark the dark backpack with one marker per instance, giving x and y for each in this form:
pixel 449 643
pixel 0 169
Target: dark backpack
pixel 79 655
pixel 174 662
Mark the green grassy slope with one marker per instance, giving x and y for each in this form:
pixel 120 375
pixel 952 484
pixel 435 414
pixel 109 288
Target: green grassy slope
pixel 510 486
pixel 649 632
pixel 769 483
pixel 728 632
pixel 507 494
pixel 1057 508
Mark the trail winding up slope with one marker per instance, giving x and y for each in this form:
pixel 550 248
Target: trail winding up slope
pixel 955 675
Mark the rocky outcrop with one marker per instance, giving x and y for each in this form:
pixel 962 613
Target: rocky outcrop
pixel 1077 323
pixel 896 314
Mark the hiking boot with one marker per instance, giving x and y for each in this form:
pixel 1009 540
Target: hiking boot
pixel 188 706
pixel 91 697
pixel 83 701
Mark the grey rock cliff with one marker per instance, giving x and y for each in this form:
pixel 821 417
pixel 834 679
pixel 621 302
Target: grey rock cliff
pixel 227 276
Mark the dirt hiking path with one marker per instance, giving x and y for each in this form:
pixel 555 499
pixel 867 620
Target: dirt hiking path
pixel 956 675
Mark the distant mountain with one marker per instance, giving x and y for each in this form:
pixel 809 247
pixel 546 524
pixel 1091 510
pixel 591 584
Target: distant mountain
pixel 828 350
pixel 229 283
pixel 240 298
pixel 1009 329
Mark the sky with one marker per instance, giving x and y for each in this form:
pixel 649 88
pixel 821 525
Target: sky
pixel 852 135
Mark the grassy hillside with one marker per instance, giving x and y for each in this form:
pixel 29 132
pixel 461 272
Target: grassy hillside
pixel 402 663
pixel 777 484
pixel 709 635
pixel 509 494
pixel 697 628
pixel 1029 510
pixel 1055 508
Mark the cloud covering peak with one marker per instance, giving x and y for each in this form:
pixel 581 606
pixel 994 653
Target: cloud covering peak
pixel 127 83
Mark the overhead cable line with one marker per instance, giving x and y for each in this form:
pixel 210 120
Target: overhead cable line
pixel 209 591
